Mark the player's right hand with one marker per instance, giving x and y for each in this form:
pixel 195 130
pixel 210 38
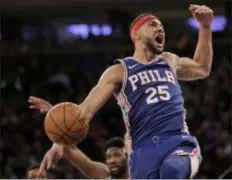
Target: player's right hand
pixel 39 104
pixel 51 158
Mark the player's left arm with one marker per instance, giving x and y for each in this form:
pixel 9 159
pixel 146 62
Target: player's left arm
pixel 200 66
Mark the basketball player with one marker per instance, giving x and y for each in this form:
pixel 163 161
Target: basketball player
pixel 116 166
pixel 33 173
pixel 146 87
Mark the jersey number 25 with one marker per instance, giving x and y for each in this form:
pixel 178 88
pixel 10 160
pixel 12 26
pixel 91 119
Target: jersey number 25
pixel 160 91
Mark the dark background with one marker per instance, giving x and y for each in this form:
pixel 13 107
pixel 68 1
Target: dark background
pixel 58 49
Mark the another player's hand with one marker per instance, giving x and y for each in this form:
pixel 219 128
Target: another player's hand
pixel 51 158
pixel 40 104
pixel 203 14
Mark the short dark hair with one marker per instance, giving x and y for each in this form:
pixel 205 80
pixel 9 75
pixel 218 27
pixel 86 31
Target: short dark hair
pixel 114 142
pixel 138 17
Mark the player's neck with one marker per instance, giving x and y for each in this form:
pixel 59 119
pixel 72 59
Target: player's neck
pixel 144 55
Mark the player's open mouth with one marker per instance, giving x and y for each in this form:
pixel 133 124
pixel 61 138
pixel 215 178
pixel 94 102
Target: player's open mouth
pixel 159 39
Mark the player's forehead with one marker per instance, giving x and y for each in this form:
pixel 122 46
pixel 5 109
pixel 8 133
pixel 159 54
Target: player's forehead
pixel 114 151
pixel 154 21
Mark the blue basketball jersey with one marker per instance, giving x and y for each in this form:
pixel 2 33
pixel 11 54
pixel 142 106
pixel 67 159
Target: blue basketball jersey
pixel 151 100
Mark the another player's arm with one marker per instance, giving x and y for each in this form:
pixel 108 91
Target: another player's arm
pixel 90 168
pixel 109 82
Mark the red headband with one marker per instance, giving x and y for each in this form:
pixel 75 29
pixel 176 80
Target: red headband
pixel 140 22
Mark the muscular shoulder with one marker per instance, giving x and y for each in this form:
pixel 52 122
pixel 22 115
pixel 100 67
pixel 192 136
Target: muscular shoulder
pixel 171 59
pixel 116 68
pixel 169 55
pixel 113 74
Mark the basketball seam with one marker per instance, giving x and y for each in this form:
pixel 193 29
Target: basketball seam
pixel 63 133
pixel 55 123
pixel 79 130
pixel 62 136
pixel 69 129
pixel 65 119
pixel 59 136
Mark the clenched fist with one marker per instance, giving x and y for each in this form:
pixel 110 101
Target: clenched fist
pixel 203 14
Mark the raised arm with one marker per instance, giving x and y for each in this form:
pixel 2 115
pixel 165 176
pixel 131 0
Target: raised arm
pixel 200 66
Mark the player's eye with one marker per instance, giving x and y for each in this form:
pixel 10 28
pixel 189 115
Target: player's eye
pixel 153 24
pixel 118 155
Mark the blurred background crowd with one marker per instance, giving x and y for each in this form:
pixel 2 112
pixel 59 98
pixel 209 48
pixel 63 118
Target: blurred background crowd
pixel 58 51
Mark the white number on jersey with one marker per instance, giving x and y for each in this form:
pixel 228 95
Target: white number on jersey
pixel 162 92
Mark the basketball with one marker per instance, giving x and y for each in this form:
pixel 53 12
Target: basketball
pixel 63 126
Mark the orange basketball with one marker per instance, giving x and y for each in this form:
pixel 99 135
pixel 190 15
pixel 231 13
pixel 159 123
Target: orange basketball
pixel 62 124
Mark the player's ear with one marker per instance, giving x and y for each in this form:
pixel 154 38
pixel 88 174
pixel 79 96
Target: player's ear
pixel 136 35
